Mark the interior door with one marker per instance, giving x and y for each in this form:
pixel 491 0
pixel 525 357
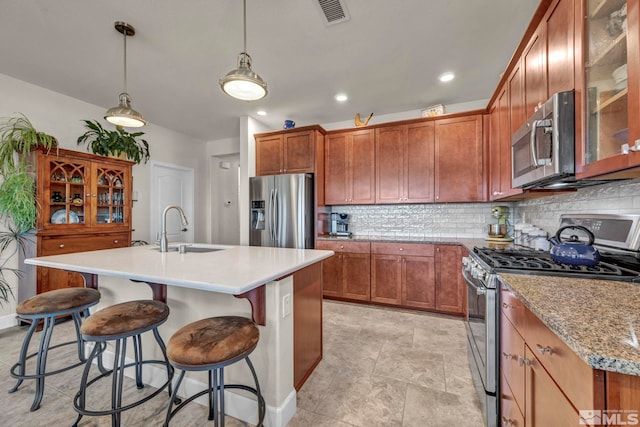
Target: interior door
pixel 171 185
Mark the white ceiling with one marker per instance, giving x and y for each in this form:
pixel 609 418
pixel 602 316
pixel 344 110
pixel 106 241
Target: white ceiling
pixel 386 58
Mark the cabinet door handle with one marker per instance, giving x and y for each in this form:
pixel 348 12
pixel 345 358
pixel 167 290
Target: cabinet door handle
pixel 505 305
pixel 544 350
pixel 401 249
pixel 61 245
pixel 522 361
pixel 341 246
pixel 507 355
pixel 116 242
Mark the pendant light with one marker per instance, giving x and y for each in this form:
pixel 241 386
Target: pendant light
pixel 123 114
pixel 243 83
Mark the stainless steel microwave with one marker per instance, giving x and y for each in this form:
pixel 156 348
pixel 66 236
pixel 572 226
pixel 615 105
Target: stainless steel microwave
pixel 543 149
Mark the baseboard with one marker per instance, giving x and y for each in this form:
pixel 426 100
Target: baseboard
pixel 8 321
pixel 237 406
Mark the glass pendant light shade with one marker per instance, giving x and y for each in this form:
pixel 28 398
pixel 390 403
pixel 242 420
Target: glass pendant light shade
pixel 124 115
pixel 243 83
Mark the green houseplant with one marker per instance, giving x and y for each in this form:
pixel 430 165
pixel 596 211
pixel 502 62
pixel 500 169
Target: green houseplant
pixel 117 142
pixel 18 203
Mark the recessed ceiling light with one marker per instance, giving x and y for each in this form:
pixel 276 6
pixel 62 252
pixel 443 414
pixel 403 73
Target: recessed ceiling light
pixel 261 113
pixel 341 97
pixel 446 77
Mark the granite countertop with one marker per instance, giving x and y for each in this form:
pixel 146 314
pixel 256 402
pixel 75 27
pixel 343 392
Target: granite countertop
pixel 468 242
pixel 231 269
pixel 598 319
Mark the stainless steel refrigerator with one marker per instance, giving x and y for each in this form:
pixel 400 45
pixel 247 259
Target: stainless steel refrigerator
pixel 282 211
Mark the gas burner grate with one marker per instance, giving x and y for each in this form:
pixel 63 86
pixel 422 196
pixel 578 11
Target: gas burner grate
pixel 535 262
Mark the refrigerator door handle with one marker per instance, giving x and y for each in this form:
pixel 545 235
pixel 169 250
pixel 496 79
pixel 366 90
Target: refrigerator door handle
pixel 276 216
pixel 271 215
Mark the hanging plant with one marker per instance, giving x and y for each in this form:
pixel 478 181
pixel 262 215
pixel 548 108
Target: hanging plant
pixel 104 142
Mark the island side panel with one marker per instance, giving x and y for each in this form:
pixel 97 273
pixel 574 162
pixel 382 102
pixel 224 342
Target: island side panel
pixel 307 322
pixel 272 358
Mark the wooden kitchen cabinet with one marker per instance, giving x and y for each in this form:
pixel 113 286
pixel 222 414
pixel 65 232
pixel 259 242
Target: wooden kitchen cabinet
pixel 451 290
pixel 500 149
pixel 545 378
pixel 404 163
pixel 459 160
pixel 290 151
pixel 535 82
pixel 350 168
pixel 517 115
pixel 347 273
pixel 84 204
pixel 403 274
pixel 609 105
pixel 560 53
pixel 307 322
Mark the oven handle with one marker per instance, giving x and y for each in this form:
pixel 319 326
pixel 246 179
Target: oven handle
pixel 480 290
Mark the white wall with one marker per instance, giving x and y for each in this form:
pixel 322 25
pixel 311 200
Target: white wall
pixel 223 220
pixel 61 116
pixel 248 127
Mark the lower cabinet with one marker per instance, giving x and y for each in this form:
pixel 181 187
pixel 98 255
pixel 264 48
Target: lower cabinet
pixel 49 279
pixel 347 273
pixel 540 376
pixel 411 275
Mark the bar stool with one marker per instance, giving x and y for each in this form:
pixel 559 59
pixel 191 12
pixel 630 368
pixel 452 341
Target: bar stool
pixel 117 323
pixel 210 345
pixel 46 307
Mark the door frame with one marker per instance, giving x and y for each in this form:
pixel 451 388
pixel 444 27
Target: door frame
pixel 189 208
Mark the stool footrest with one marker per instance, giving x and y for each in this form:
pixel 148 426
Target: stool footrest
pixel 46 374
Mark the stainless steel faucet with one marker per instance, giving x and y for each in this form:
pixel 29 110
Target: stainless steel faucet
pixel 164 244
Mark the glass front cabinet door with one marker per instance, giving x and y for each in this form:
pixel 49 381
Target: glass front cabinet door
pixel 610 101
pixel 81 192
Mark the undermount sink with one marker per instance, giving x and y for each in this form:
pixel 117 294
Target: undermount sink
pixel 194 249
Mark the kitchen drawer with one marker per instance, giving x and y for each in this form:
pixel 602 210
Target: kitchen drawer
pixel 512 349
pixel 409 249
pixel 513 308
pixel 67 245
pixel 352 247
pixel 510 411
pixel 576 379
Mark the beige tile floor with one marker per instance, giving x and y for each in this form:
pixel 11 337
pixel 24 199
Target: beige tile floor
pixel 381 367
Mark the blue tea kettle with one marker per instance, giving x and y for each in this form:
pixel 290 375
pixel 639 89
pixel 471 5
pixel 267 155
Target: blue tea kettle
pixel 573 251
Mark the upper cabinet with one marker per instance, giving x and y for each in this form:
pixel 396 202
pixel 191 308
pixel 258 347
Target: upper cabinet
pixel 459 160
pixel 350 168
pixel 405 163
pixel 608 128
pixel 78 192
pixel 287 151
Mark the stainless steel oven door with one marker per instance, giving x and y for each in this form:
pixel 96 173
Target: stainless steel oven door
pixel 481 330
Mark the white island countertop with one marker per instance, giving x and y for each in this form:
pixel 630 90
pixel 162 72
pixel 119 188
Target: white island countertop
pixel 231 270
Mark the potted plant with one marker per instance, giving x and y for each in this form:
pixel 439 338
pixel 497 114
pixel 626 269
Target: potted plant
pixel 18 203
pixel 117 142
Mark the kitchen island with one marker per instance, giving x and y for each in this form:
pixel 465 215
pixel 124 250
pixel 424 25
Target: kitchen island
pixel 206 281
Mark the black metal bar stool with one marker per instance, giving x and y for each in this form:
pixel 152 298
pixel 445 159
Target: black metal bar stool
pixel 46 307
pixel 210 345
pixel 117 323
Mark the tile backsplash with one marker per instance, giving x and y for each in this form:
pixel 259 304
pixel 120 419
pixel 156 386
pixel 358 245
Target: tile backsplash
pixel 621 197
pixel 419 220
pixel 468 220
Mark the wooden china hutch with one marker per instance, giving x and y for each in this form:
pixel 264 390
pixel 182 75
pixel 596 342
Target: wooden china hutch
pixel 84 204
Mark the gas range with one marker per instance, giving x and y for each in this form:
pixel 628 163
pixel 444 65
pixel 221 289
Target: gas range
pixel 528 261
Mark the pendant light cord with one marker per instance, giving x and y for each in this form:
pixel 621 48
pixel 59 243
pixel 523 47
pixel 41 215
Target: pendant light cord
pixel 245 25
pixel 124 34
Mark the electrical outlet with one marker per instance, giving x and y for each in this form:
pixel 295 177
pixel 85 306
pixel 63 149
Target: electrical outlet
pixel 286 305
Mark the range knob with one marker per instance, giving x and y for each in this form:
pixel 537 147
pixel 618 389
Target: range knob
pixel 465 260
pixel 481 274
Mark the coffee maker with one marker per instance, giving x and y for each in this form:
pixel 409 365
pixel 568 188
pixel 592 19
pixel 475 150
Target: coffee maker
pixel 339 225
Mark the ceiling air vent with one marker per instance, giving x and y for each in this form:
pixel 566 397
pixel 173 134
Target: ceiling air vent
pixel 334 11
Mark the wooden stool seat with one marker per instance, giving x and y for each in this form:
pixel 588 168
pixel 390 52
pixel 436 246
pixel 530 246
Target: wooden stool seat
pixel 58 300
pixel 211 345
pixel 125 318
pixel 211 341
